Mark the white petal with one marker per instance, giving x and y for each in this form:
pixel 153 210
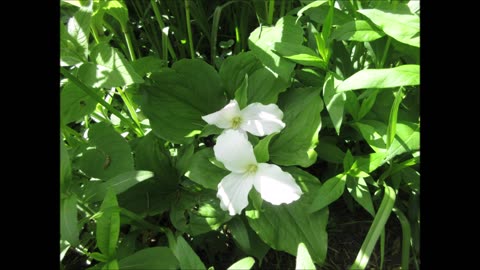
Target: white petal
pixel 261 120
pixel 223 118
pixel 234 150
pixel 233 192
pixel 276 186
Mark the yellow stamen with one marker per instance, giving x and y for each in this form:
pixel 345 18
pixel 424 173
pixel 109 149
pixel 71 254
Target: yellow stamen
pixel 236 122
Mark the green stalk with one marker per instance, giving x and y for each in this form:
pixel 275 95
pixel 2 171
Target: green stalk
pixel 142 222
pixel 271 8
pixel 165 39
pixel 189 29
pixel 406 233
pixel 385 52
pixel 74 133
pixel 100 100
pixel 382 249
pixel 130 107
pixel 282 8
pixel 126 34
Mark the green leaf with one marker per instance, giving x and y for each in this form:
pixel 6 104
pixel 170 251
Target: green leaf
pixel 375 230
pixel 374 132
pixel 68 220
pixel 202 170
pixel 358 30
pixel 110 155
pixel 359 190
pixel 382 78
pixel 153 258
pixel 367 103
pixel 348 161
pixel 309 77
pixel 261 43
pixel 234 69
pixel 98 257
pixel 407 139
pixel 299 54
pixel 145 65
pixel 65 166
pixel 364 165
pixel 111 265
pixel 318 15
pixel 334 102
pixel 264 86
pixel 244 264
pixel 108 225
pixel 71 52
pixel 176 98
pixel 109 69
pixel 197 213
pixel 241 94
pixel 78 28
pixel 96 190
pixel 152 155
pixel 328 151
pixel 283 227
pixel 261 149
pixel 330 191
pixel 304 261
pixel 75 103
pixel 402 26
pixel 246 239
pixel 118 10
pixel 186 256
pixel 183 158
pixel 295 144
pixel 313 4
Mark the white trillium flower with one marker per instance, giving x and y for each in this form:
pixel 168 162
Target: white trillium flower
pixel 256 118
pixel 236 153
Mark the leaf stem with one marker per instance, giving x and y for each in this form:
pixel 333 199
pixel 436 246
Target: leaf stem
pixel 130 107
pixel 385 52
pixel 166 44
pixel 189 29
pixel 126 34
pixel 271 8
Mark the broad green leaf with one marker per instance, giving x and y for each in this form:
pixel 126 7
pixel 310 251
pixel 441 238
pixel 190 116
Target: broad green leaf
pixel 71 52
pixel 309 77
pixel 108 225
pixel 327 150
pixel 78 27
pixel 261 43
pixel 244 264
pixel 283 227
pixel 334 102
pixel 318 15
pixel 68 220
pixel 128 245
pixel 176 98
pixel 234 69
pixel 264 86
pixel 358 30
pixel 197 213
pixel 295 144
pixel 382 78
pixel 241 94
pixel 299 54
pixel 118 184
pixel 359 190
pixel 99 257
pixel 407 139
pixel 202 170
pixel 363 165
pixel 304 261
pixel 261 149
pixel 152 155
pixel 65 166
pixel 109 69
pixel 375 230
pixel 145 65
pixel 75 103
pixel 313 4
pixel 246 239
pixel 118 10
pixel 186 256
pixel 183 158
pixel 110 155
pixel 404 27
pixel 367 104
pixel 374 132
pixel 153 258
pixel 329 192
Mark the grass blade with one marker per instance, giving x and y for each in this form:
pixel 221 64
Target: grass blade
pixel 392 120
pixel 406 236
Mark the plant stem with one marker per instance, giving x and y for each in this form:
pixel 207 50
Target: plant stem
pixel 130 106
pixel 126 34
pixel 141 221
pixel 100 100
pixel 385 52
pixel 189 29
pixel 165 39
pixel 271 8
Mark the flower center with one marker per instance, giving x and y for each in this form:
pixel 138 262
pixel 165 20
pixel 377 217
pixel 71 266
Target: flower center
pixel 236 121
pixel 252 168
